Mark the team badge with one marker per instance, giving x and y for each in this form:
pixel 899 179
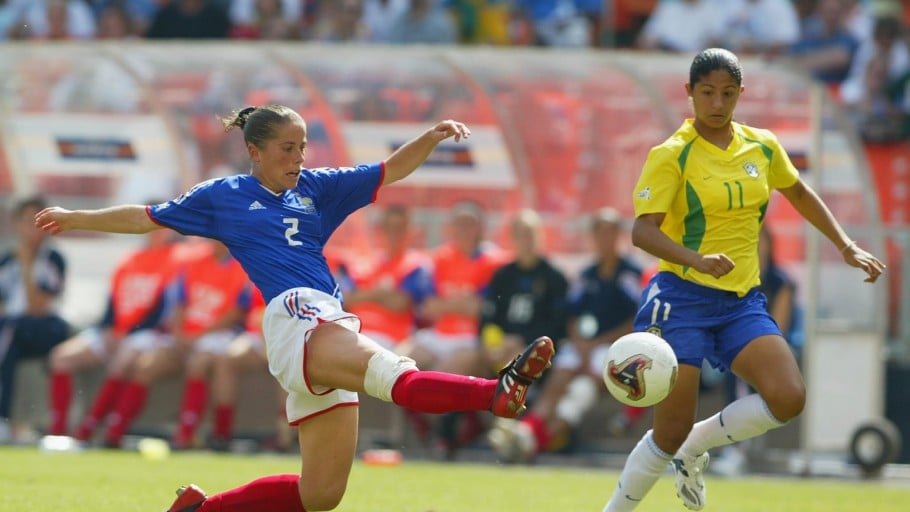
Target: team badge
pixel 645 194
pixel 655 330
pixel 629 375
pixel 751 169
pixel 308 205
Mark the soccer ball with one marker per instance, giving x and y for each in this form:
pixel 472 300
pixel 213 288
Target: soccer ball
pixel 640 369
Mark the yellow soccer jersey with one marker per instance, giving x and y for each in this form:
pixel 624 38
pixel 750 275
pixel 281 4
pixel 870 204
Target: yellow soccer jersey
pixel 714 199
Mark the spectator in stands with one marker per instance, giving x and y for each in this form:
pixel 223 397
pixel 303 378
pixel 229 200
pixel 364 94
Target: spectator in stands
pixel 625 21
pixel 341 21
pixel 190 19
pixel 139 12
pixel 869 92
pixel 213 299
pixel 683 26
pixel 265 19
pixel 379 16
pixel 114 22
pixel 602 305
pixel 11 17
pixel 760 27
pixel 207 299
pixel 32 275
pixel 825 47
pixel 461 271
pixel 860 17
pixel 386 292
pixel 57 20
pixel 481 21
pixel 248 12
pixel 423 22
pixel 556 22
pixel 244 354
pixel 525 298
pixel 135 312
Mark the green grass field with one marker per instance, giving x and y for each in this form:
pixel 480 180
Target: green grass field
pixel 100 481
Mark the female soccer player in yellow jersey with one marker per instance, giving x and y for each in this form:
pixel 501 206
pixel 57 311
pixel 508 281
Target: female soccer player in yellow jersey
pixel 699 206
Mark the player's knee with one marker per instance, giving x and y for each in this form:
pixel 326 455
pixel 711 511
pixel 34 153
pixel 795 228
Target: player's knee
pixel 58 362
pixel 670 435
pixel 383 370
pixel 788 401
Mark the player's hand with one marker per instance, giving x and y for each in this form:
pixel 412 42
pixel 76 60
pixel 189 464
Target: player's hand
pixel 717 265
pixel 449 128
pixel 855 256
pixel 54 220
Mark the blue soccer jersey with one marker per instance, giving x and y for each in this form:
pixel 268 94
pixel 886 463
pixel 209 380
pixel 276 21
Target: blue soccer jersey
pixel 277 238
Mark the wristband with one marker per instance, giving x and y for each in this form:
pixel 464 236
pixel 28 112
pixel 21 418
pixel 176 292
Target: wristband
pixel 851 243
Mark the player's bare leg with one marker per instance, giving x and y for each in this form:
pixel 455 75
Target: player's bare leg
pixel 327 446
pixel 673 419
pixel 769 366
pixel 767 363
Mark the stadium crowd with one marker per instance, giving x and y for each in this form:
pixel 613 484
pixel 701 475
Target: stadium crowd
pixel 858 47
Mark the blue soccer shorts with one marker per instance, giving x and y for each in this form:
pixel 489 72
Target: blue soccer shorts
pixel 700 322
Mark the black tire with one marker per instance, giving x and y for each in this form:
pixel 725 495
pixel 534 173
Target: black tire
pixel 874 444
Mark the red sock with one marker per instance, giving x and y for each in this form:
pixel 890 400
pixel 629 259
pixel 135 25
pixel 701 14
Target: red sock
pixel 224 422
pixel 105 400
pixel 195 393
pixel 540 430
pixel 275 493
pixel 61 395
pixel 128 407
pixel 437 392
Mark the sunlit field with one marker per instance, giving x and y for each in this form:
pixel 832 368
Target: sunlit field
pixel 97 481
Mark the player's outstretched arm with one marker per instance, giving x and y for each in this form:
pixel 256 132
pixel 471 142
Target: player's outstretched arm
pixel 814 210
pixel 408 157
pixel 130 218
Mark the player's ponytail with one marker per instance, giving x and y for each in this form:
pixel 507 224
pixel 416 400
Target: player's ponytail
pixel 237 118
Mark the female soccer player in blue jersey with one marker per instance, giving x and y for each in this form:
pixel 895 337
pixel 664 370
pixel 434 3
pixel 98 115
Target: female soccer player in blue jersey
pixel 276 221
pixel 699 206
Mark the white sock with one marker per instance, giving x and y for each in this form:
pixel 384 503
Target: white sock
pixel 644 466
pixel 740 420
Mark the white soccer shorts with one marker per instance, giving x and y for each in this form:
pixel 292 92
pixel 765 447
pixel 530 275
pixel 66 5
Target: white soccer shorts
pixel 287 324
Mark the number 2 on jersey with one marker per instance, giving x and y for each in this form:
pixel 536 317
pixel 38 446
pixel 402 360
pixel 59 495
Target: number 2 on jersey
pixel 291 230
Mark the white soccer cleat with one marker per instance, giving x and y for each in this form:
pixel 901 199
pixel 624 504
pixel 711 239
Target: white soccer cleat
pixel 690 480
